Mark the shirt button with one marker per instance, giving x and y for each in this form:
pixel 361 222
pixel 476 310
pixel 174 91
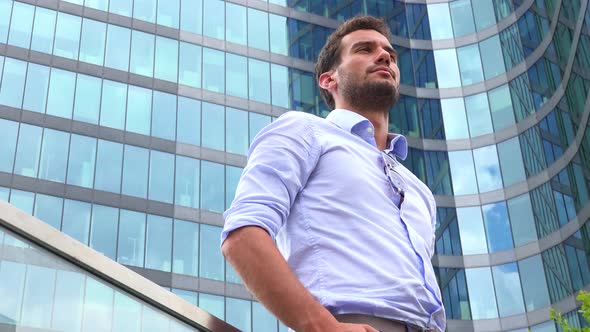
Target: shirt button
pixel 370 130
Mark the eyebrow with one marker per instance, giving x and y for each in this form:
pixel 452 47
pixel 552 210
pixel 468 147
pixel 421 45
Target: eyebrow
pixel 388 48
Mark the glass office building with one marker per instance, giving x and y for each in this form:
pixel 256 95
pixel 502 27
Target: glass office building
pixel 125 124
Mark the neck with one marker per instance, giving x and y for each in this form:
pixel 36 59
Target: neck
pixel 379 119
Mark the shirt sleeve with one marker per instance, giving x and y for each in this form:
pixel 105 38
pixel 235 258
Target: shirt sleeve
pixel 280 160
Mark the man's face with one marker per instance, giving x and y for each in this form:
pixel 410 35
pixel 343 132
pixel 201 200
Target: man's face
pixel 368 76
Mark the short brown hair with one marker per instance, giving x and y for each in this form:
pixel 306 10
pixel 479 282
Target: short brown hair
pixel 329 56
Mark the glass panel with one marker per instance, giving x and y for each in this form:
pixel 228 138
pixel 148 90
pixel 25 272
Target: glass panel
pixel 27 153
pixel 236 131
pixel 213 126
pixel 259 81
pixel 523 222
pixel 236 30
pixel 447 69
pixel 186 248
pixel 478 114
pixel 139 110
pixel 471 230
pixel 280 85
pixel 236 75
pixel 214 21
pixel 190 59
pixel 43 30
pixel 508 291
pixel 166 67
pixel 440 21
pixel 117 47
pixel 48 209
pixel 487 168
pixel 98 300
pixel 189 121
pixel 534 284
pixel 258 29
pixel 145 10
pixel 164 115
pixel 213 68
pixel 60 101
pixel 38 297
pixel 278 34
pixel 211 262
pixel 135 171
pixel 187 182
pixel 5 11
pixel 76 220
pixel 454 119
pixel 501 107
pixel 12 280
pixel 121 7
pixel 212 186
pixel 492 58
pixel 103 230
pixel 213 304
pixel 462 17
pixel 462 172
pixel 14 72
pixel 511 161
pixel 8 134
pixel 192 297
pixel 81 161
pixel 142 53
pixel 232 175
pixel 69 297
pixel 127 315
pixel 97 4
pixel 54 155
pixel 257 122
pixel 114 99
pixel 93 42
pixel 23 200
pixel 161 171
pixel 497 225
pixel 36 88
pixel 481 293
pixel 168 12
pixel 21 25
pixel 108 166
pixel 87 100
pixel 470 64
pixel 131 238
pixel 191 16
pixel 262 319
pixel 67 36
pixel 483 12
pixel 159 243
pixel 239 314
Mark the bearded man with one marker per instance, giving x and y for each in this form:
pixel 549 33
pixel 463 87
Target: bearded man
pixel 354 229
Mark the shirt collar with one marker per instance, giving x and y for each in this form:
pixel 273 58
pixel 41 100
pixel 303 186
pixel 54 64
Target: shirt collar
pixel 359 125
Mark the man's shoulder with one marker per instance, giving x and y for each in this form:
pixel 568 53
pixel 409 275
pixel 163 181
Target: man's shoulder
pixel 300 116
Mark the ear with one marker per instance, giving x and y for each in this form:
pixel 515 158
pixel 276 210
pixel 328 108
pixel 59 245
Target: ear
pixel 327 80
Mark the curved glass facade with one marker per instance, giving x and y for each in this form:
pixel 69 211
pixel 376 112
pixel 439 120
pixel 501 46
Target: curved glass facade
pixel 125 124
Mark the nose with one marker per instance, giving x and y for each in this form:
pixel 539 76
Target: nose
pixel 384 57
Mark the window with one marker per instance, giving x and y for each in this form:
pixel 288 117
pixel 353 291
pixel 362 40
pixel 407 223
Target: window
pixel 236 30
pixel 114 99
pixel 93 41
pixel 211 263
pixel 139 107
pixel 27 153
pixel 67 36
pixel 187 182
pixel 213 69
pixel 483 12
pixel 237 75
pixel 189 121
pixel 168 12
pixel 523 222
pixel 103 230
pixel 60 99
pixel 76 220
pixel 43 30
pixel 135 171
pixel 482 298
pixel 166 67
pixel 38 293
pixel 233 175
pixel 510 157
pixel 471 230
pixel 478 114
pixel 126 314
pixel 214 21
pixel 213 304
pixel 256 123
pixel 259 81
pixel 447 69
pixel 491 56
pixel 81 161
pixel 121 7
pixel 487 168
pixel 440 21
pixel 109 159
pixel 8 134
pixel 462 172
pixel 20 25
pixel 69 293
pixel 142 53
pixel 145 10
pixel 258 29
pixel 36 88
pixel 161 188
pixel 239 313
pixel 280 85
pixel 131 238
pixel 48 209
pixel 23 200
pixel 14 72
pixel 159 243
pixel 117 47
pixel 262 319
pixel 186 248
pixel 462 17
pixel 54 155
pixel 497 226
pixel 164 116
pixel 279 38
pixel 470 64
pixel 5 11
pixel 501 107
pixel 87 98
pixel 190 60
pixel 97 4
pixel 212 186
pixel 508 291
pixel 236 131
pixel 534 284
pixel 98 305
pixel 213 126
pixel 455 121
pixel 191 16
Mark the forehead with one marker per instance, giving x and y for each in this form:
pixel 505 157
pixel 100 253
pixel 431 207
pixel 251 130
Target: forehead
pixel 363 35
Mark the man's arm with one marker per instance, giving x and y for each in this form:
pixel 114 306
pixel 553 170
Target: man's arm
pixel 255 257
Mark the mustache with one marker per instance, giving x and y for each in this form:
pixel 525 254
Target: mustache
pixel 375 68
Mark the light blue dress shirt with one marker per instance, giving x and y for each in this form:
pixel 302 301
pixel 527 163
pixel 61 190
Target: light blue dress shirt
pixel 319 188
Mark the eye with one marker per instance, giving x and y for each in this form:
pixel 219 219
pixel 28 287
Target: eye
pixel 364 50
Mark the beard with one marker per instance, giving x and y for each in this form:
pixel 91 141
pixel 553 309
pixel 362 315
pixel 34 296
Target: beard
pixel 370 95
